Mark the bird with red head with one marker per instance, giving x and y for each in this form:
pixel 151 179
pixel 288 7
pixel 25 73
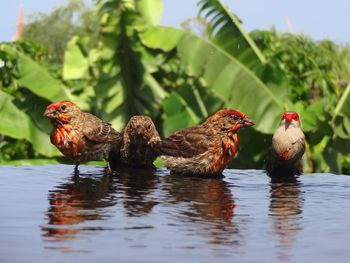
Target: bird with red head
pixel 288 146
pixel 79 135
pixel 205 149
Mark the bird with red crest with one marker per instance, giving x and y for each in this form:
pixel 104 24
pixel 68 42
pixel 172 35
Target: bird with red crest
pixel 81 136
pixel 205 149
pixel 288 146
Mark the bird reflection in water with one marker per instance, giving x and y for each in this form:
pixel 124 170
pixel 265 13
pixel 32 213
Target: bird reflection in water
pixel 286 201
pixel 78 199
pixel 206 202
pixel 136 186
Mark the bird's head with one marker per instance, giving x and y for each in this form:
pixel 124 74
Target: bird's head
pixel 231 119
pixel 142 127
pixel 61 111
pixel 290 118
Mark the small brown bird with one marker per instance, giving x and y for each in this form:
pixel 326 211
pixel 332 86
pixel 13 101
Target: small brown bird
pixel 136 149
pixel 79 135
pixel 206 149
pixel 288 146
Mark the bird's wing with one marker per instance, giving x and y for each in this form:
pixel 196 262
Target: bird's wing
pixel 297 148
pixel 186 143
pixel 99 131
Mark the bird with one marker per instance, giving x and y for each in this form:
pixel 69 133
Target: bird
pixel 81 136
pixel 136 148
pixel 288 146
pixel 206 149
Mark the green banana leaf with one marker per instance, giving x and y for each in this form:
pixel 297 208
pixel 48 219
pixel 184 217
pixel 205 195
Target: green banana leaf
pixel 38 79
pixel 178 114
pixel 76 63
pixel 226 32
pixel 341 115
pixel 15 123
pixel 151 10
pixel 343 106
pixel 125 84
pixel 226 77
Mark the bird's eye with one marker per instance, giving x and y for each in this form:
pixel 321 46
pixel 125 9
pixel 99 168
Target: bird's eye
pixel 235 118
pixel 63 107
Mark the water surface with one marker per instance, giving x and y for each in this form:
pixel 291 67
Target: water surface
pixel 51 215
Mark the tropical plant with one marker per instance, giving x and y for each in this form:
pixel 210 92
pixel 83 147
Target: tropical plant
pixel 178 78
pixel 317 73
pixel 53 31
pixel 24 83
pixel 314 69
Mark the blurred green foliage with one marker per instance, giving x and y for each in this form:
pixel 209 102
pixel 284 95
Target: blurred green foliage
pixel 54 30
pixel 129 64
pixel 313 69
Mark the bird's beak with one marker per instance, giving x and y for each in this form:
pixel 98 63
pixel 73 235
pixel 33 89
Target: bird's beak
pixel 50 113
pixel 286 125
pixel 247 122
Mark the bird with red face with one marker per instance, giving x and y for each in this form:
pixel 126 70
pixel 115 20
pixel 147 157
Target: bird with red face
pixel 79 135
pixel 206 149
pixel 288 146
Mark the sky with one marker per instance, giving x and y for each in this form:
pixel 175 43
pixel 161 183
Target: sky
pixel 316 18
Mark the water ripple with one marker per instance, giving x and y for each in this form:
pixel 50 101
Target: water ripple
pixel 149 216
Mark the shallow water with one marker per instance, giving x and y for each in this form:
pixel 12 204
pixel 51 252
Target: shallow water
pixel 50 215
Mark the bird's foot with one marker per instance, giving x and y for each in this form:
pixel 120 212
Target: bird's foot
pixel 76 170
pixel 108 170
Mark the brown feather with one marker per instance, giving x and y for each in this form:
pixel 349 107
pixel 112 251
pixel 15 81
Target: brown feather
pixel 206 149
pixel 97 130
pixel 138 138
pixel 187 143
pixel 79 135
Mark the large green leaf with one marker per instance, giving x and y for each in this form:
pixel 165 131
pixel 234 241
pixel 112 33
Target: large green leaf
pixel 17 124
pixel 159 38
pixel 151 10
pixel 343 106
pixel 13 121
pixel 341 115
pixel 76 61
pixel 38 80
pixel 121 105
pixel 125 86
pixel 228 79
pixel 187 106
pixel 232 82
pixel 227 33
pixel 178 114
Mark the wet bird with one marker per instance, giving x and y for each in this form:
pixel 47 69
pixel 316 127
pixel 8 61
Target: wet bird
pixel 79 135
pixel 288 146
pixel 206 149
pixel 136 149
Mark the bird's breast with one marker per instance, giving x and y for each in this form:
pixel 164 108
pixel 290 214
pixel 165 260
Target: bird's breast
pixel 286 143
pixel 224 153
pixel 67 140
